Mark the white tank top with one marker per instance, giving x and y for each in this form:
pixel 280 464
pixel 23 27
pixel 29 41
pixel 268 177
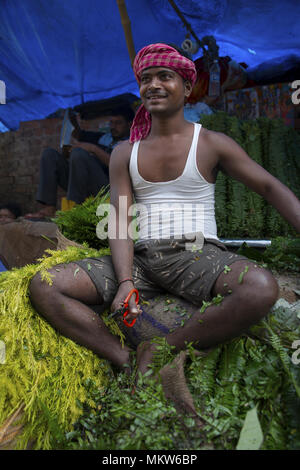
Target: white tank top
pixel 171 209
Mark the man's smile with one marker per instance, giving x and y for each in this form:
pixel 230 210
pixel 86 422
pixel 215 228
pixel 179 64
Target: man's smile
pixel 153 97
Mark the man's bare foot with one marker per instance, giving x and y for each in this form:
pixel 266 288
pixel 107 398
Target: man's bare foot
pixel 172 378
pixel 144 356
pixel 45 212
pixel 175 387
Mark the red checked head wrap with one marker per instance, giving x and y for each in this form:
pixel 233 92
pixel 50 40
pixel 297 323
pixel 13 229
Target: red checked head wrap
pixel 157 55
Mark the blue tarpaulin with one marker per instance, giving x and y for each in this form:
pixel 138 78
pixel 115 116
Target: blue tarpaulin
pixel 2 267
pixel 61 53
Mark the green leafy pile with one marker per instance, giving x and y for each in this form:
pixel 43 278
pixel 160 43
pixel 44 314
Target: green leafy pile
pixel 72 399
pixel 79 224
pixel 43 371
pixel 251 375
pixel 283 254
pixel 276 147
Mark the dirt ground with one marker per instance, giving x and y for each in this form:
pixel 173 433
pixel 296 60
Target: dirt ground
pixel 289 286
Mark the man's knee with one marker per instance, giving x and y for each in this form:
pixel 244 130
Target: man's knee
pixel 49 153
pixel 40 289
pixel 263 286
pixel 252 285
pixel 257 291
pixel 78 155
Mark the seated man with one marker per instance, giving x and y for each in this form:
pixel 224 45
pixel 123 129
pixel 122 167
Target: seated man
pixel 9 212
pixel 167 160
pixel 84 171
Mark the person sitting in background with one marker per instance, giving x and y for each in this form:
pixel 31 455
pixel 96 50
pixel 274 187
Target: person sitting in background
pixel 81 170
pixel 9 212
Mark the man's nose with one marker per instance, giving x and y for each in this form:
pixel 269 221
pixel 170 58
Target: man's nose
pixel 155 83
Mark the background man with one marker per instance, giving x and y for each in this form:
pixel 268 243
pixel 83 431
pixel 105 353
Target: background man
pixel 82 171
pixel 167 159
pixel 9 212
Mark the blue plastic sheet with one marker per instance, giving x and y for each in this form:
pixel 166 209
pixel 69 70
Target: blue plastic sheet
pixel 61 53
pixel 2 267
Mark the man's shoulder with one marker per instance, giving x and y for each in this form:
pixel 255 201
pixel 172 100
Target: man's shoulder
pixel 215 140
pixel 211 136
pixel 122 151
pixel 105 139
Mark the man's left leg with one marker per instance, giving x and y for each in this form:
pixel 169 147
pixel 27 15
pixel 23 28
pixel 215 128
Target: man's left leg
pixel 67 305
pixel 248 292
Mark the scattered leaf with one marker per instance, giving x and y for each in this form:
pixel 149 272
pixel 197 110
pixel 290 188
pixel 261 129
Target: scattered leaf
pixel 251 436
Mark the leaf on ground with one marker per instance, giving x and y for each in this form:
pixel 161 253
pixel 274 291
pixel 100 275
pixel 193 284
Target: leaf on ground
pixel 251 435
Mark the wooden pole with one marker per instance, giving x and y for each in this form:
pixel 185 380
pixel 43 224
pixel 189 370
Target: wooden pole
pixel 127 29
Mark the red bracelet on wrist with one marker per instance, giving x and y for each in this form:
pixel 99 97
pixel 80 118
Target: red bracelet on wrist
pixel 125 280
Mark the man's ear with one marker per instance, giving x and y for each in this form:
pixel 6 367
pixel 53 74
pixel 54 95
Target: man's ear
pixel 187 88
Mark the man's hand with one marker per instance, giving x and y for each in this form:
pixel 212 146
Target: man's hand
pixel 73 119
pixel 118 302
pixel 95 150
pixel 66 150
pixel 91 148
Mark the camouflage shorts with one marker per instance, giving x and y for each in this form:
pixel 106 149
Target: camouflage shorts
pixel 165 266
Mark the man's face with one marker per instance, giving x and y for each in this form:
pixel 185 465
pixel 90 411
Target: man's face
pixel 119 127
pixel 6 216
pixel 163 90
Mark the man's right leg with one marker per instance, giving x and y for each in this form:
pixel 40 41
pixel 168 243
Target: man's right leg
pixel 54 172
pixel 87 176
pixel 65 305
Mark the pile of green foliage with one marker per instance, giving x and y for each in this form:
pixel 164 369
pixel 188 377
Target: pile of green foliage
pixel 74 400
pixel 79 224
pixel 276 147
pixel 282 255
pixel 42 371
pixel 250 376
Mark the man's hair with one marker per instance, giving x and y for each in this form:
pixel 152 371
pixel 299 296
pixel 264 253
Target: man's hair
pixel 13 208
pixel 125 111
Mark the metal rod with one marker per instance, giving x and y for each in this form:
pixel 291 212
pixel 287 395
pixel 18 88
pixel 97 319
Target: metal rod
pixel 239 242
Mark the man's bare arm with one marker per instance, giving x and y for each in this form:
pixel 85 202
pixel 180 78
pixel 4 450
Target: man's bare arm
pixel 121 192
pixel 121 198
pixel 236 163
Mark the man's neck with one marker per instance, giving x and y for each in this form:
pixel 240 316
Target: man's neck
pixel 164 126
